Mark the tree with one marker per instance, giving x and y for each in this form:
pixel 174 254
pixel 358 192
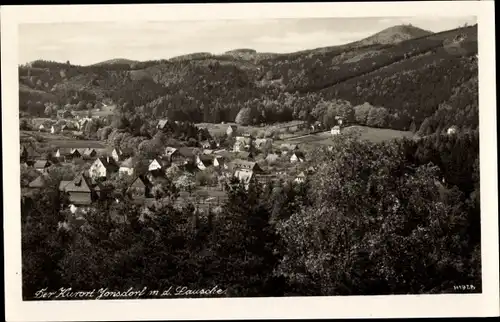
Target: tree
pixel 370 238
pixel 244 116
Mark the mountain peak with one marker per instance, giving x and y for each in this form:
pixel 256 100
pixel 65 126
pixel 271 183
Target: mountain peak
pixel 395 34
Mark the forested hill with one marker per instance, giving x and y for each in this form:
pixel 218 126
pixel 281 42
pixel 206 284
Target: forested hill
pixel 401 78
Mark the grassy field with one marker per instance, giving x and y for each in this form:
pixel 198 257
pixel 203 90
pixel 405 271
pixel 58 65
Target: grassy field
pixel 365 133
pixel 219 128
pixel 103 112
pixel 61 141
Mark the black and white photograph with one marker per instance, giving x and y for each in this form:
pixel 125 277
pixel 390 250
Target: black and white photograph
pixel 210 157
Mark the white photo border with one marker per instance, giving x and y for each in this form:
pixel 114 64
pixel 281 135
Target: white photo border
pixel 450 305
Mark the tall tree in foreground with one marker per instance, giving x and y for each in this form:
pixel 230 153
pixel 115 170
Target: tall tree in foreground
pixel 376 226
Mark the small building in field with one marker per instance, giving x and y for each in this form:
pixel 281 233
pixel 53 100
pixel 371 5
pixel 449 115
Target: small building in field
pixel 297 156
pixel 231 130
pixel 155 165
pixel 335 130
pixel 41 128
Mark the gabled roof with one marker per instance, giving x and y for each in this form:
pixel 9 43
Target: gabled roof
pixel 39 182
pixel 247 165
pixel 141 182
pixel 107 162
pixel 233 127
pixel 298 154
pixel 88 151
pixel 162 123
pixel 81 183
pixel 186 152
pixel 129 163
pixel 40 164
pixel 170 150
pixel 206 159
pixel 64 151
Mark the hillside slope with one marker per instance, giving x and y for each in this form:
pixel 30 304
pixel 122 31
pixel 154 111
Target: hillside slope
pixel 404 80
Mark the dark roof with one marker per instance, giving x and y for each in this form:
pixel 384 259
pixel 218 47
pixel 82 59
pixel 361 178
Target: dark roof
pixel 109 163
pixel 40 164
pixel 39 182
pixel 141 181
pixel 206 159
pixel 186 152
pixel 64 151
pixel 299 154
pixel 81 183
pixel 243 164
pixel 88 151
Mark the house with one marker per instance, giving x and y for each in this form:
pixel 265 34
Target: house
pixel 38 183
pixel 242 143
pixel 263 144
pixel 54 129
pixel 162 124
pixel 272 158
pixel 231 130
pixel 63 153
pixel 203 161
pixel 82 190
pixel 207 152
pixel 140 188
pixel 89 153
pixel 171 153
pixel 239 164
pixel 297 156
pixel 335 130
pixel 83 122
pixel 452 130
pixel 245 177
pixel 102 168
pixel 155 165
pixel 41 165
pixel 127 166
pixel 76 153
pixel 41 128
pixel 219 161
pixel 117 154
pixel 301 177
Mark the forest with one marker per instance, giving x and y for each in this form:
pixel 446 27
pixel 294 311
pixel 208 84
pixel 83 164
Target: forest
pixel 405 220
pixel 426 85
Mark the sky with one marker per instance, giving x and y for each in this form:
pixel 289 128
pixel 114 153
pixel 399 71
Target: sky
pixel 88 43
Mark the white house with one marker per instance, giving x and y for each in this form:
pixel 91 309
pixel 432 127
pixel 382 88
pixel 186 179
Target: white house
pixel 300 178
pixel 41 128
pixel 220 162
pixel 127 167
pixel 245 177
pixel 335 130
pixel 117 154
pixel 102 168
pixel 154 165
pixel 452 130
pixel 231 130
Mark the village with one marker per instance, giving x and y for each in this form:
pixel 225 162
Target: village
pixel 200 173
